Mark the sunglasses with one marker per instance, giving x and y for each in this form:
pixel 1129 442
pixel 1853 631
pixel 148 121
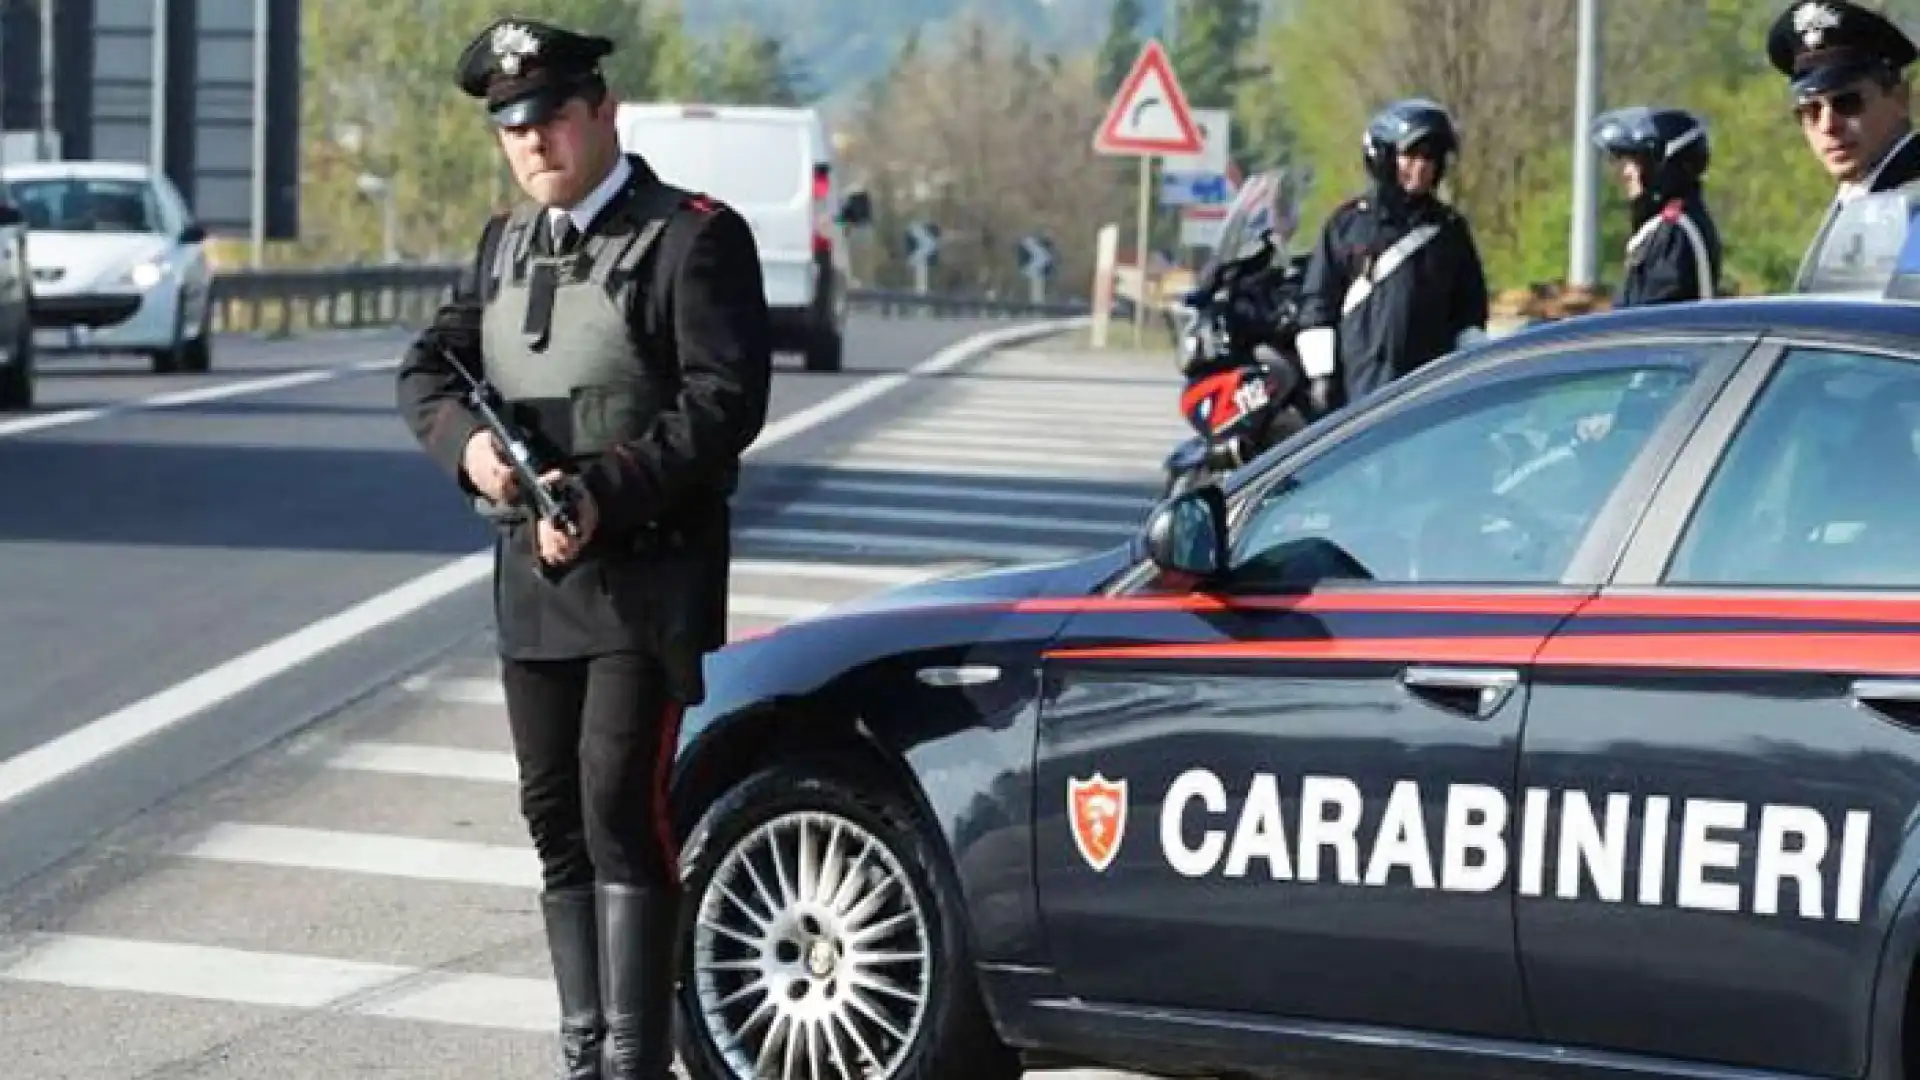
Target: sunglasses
pixel 1846 104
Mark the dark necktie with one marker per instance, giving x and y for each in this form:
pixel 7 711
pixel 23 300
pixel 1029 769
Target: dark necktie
pixel 565 235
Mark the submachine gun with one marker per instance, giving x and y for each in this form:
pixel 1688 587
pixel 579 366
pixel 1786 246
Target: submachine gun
pixel 558 508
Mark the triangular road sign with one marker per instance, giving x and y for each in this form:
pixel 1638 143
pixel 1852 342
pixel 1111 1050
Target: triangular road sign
pixel 1149 114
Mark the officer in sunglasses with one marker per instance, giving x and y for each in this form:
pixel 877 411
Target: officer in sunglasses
pixel 1845 68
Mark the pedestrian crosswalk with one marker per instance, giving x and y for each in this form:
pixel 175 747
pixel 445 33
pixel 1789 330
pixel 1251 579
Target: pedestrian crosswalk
pixel 363 898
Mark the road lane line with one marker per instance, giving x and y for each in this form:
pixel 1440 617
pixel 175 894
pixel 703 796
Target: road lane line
pixel 382 855
pixel 33 769
pixel 173 398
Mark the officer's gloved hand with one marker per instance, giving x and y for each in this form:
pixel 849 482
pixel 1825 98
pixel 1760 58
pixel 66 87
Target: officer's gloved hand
pixel 1317 359
pixel 1320 396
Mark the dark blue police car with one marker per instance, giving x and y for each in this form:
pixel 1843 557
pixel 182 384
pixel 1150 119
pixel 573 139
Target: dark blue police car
pixel 1555 712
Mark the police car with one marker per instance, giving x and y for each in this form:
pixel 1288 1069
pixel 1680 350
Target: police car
pixel 1555 711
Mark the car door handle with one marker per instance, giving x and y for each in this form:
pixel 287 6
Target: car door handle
pixel 1478 692
pixel 1896 699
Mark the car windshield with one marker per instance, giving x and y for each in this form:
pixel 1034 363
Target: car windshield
pixel 66 204
pixel 1869 250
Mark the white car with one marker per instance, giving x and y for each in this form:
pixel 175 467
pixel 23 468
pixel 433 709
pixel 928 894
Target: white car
pixel 775 165
pixel 118 262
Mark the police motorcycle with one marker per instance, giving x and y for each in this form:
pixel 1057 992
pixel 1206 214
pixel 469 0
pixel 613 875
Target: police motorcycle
pixel 1245 387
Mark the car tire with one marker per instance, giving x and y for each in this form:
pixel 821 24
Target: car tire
pixel 825 347
pixel 193 355
pixel 16 379
pixel 728 866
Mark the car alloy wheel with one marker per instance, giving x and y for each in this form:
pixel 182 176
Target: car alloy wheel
pixel 812 954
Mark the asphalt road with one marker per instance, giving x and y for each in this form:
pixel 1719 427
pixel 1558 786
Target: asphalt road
pixel 358 899
pixel 144 546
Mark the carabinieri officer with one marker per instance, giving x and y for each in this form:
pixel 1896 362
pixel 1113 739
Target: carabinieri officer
pixel 623 322
pixel 1846 69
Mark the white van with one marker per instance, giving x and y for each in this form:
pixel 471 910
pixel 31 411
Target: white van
pixel 775 166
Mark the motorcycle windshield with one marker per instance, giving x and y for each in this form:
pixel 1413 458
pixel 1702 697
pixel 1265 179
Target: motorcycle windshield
pixel 1264 203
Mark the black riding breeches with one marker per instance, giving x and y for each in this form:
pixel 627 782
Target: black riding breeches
pixel 595 739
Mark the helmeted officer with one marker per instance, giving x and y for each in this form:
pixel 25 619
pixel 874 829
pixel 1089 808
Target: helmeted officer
pixel 1845 65
pixel 1395 280
pixel 623 322
pixel 1674 252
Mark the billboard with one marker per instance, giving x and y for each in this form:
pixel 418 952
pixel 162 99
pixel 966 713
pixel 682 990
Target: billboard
pixel 177 83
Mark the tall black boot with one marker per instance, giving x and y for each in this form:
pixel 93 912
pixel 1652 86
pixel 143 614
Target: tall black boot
pixel 638 932
pixel 573 943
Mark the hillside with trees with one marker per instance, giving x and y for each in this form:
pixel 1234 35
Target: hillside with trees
pixel 978 114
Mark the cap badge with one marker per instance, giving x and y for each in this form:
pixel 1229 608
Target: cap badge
pixel 1812 21
pixel 512 45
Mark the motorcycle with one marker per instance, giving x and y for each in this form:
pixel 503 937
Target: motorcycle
pixel 1245 388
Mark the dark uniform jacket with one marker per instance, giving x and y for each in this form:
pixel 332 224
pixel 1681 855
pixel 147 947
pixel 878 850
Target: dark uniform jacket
pixel 681 347
pixel 1393 314
pixel 1900 169
pixel 1673 254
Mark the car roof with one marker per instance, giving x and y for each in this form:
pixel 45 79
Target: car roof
pixel 1783 315
pixel 87 170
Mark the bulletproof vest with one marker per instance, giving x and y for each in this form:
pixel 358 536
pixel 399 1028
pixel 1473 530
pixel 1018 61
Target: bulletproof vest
pixel 558 345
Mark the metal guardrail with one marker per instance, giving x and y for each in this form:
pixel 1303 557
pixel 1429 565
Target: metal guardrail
pixel 280 302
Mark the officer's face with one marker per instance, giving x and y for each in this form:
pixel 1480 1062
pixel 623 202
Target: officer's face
pixel 559 160
pixel 1630 175
pixel 1849 129
pixel 1417 169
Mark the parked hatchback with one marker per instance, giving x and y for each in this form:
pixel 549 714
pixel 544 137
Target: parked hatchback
pixel 119 263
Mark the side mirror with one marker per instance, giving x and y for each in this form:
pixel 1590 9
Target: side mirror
pixel 193 234
pixel 11 215
pixel 856 209
pixel 1187 534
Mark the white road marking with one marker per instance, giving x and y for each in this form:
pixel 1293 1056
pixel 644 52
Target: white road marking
pixel 1005 494
pixel 772 607
pixel 1066 443
pixel 916 515
pixel 438 762
pixel 99 739
pixel 453 861
pixel 96 740
pixel 939 545
pixel 456 691
pixel 882 448
pixel 874 573
pixel 205 972
pixel 242 388
pixel 1108 430
pixel 286 980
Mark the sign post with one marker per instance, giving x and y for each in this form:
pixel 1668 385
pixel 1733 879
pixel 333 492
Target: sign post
pixel 1036 260
pixel 923 250
pixel 1147 118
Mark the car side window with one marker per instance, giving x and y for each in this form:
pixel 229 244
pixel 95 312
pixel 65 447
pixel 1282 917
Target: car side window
pixel 1493 484
pixel 1820 486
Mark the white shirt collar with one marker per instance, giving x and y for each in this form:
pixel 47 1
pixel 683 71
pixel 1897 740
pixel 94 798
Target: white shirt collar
pixel 1852 191
pixel 588 208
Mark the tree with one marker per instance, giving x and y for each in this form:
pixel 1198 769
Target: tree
pixel 1120 47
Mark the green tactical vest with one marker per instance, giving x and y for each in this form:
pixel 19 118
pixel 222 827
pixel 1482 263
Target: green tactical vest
pixel 572 375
